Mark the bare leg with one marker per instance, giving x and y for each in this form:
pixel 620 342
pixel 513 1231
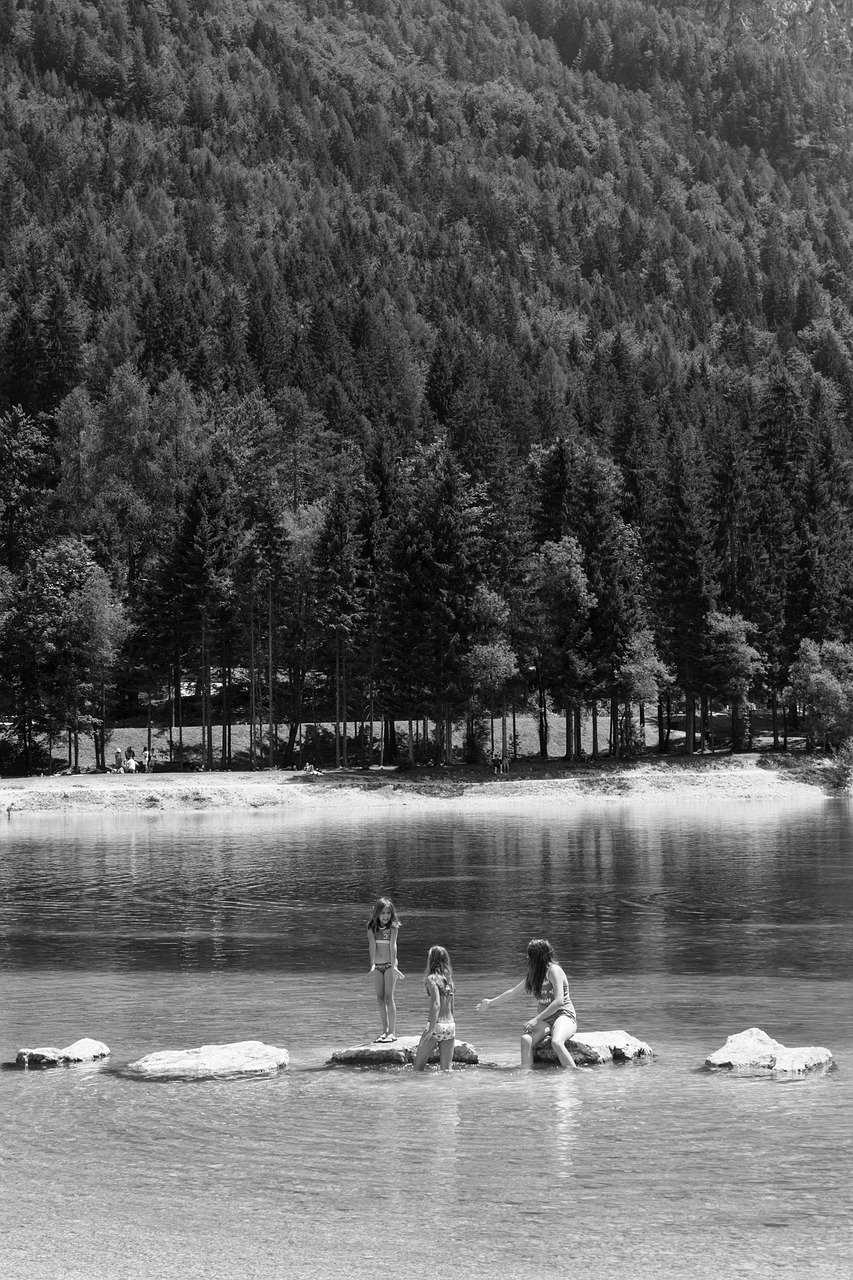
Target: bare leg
pixel 379 986
pixel 390 1018
pixel 529 1041
pixel 445 1053
pixel 564 1028
pixel 424 1050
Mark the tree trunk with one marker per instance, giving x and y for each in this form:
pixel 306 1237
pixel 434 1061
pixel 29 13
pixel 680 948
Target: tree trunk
pixel 570 737
pixel 785 725
pixel 578 742
pixel 411 744
pixel 775 715
pixel 689 721
pixel 703 721
pixel 514 734
pixel 504 744
pixel 344 702
pixel 543 723
pixel 270 672
pixel 179 700
pixel 594 729
pixel 337 698
pixel 252 681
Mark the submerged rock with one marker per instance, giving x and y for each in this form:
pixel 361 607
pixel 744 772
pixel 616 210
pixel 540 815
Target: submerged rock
pixel 243 1058
pixel 754 1050
pixel 84 1050
pixel 398 1053
pixel 592 1047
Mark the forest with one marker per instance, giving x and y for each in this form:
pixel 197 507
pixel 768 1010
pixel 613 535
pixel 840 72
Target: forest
pixel 393 362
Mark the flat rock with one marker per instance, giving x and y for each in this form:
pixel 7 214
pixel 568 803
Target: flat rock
pixel 754 1050
pixel 398 1053
pixel 84 1050
pixel 243 1058
pixel 593 1047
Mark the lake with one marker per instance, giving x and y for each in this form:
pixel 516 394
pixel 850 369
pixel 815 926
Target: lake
pixel 679 923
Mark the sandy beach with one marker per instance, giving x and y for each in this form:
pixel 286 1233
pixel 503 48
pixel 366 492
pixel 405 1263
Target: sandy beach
pixel 709 778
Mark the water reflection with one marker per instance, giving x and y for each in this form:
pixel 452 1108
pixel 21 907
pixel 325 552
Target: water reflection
pixel 617 890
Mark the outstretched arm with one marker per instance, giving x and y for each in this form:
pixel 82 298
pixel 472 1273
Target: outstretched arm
pixel 505 995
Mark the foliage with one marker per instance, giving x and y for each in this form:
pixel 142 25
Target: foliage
pixel 339 317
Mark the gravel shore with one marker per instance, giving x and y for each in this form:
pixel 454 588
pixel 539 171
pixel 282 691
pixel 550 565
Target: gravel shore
pixel 709 778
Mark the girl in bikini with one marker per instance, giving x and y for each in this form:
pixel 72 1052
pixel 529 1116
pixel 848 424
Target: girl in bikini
pixel 382 941
pixel 555 1014
pixel 441 1029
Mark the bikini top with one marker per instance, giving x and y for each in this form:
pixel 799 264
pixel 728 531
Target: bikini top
pixel 382 935
pixel 547 995
pixel 444 988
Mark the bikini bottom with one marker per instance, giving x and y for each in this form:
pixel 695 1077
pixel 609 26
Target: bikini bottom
pixel 382 968
pixel 444 1031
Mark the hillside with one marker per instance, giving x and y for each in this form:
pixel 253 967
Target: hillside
pixel 437 347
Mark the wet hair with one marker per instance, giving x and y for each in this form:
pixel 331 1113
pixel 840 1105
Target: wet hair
pixel 540 955
pixel 438 961
pixel 380 905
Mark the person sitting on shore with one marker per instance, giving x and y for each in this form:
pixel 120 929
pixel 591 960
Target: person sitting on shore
pixel 441 1028
pixel 555 1015
pixel 130 765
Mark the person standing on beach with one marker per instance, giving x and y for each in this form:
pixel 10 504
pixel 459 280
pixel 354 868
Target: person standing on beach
pixel 555 1015
pixel 441 1028
pixel 382 928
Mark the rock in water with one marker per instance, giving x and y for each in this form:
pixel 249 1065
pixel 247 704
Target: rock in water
pixel 593 1047
pixel 398 1053
pixel 754 1050
pixel 84 1050
pixel 243 1058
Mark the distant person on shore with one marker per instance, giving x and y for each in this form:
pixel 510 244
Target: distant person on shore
pixel 130 765
pixel 117 761
pixel 547 982
pixel 147 760
pixel 382 929
pixel 441 1027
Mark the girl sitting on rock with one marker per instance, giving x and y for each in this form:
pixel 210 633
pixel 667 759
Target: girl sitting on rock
pixel 441 1028
pixel 555 1013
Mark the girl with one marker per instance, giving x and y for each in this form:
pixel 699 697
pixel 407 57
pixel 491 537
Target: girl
pixel 548 983
pixel 441 1029
pixel 382 941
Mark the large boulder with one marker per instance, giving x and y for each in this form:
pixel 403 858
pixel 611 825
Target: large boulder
pixel 592 1047
pixel 397 1054
pixel 243 1058
pixel 84 1050
pixel 754 1050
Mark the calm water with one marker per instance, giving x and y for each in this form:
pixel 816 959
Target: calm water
pixel 679 924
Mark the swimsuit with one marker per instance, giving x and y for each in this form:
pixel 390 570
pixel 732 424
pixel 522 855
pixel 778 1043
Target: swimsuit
pixel 445 1027
pixel 547 995
pixel 383 939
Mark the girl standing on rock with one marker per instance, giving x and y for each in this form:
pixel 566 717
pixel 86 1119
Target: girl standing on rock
pixel 555 1013
pixel 441 1028
pixel 382 930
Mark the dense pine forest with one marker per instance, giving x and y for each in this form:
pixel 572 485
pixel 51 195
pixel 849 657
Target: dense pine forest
pixel 398 361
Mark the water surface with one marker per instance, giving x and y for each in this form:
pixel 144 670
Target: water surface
pixel 679 923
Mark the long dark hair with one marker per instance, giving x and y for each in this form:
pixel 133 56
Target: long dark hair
pixel 380 905
pixel 540 955
pixel 438 961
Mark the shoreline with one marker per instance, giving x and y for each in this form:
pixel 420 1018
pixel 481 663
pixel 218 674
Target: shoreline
pixel 788 779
